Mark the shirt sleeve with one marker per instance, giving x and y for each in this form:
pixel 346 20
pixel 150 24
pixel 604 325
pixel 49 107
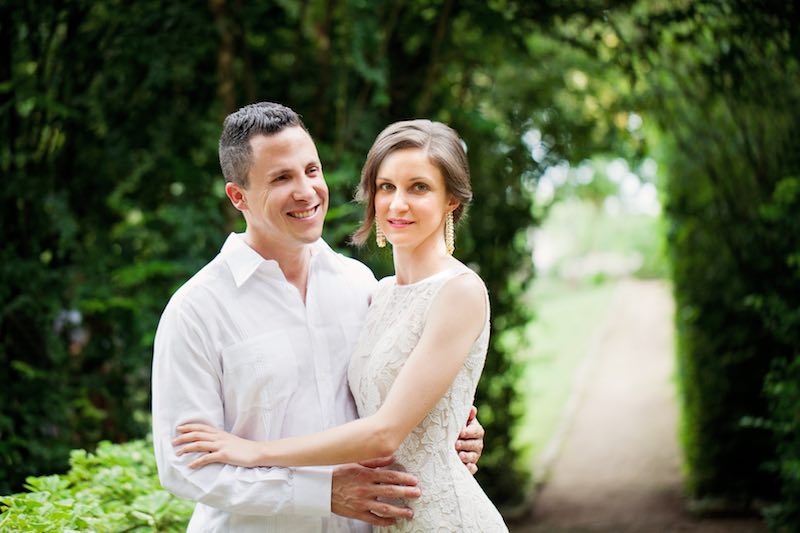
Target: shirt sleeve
pixel 187 388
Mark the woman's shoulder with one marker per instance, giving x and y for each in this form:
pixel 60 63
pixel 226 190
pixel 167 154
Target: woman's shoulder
pixel 466 278
pixel 462 290
pixel 461 303
pixel 464 285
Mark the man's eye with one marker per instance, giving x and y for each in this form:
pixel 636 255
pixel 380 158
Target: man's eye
pixel 282 177
pixel 312 170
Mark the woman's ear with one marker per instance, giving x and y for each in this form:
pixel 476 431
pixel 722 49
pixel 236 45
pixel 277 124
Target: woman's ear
pixel 452 205
pixel 235 194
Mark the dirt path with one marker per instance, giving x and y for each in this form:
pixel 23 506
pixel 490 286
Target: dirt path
pixel 618 466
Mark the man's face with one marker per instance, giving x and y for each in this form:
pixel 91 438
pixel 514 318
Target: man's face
pixel 286 197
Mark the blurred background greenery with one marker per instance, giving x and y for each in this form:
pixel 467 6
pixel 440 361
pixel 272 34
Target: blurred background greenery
pixel 606 138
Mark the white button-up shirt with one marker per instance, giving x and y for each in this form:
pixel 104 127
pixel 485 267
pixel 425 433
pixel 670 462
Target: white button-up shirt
pixel 237 348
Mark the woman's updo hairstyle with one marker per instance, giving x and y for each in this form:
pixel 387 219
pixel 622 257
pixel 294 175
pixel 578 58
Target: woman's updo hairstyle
pixel 444 149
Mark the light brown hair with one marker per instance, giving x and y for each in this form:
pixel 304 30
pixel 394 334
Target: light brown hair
pixel 442 146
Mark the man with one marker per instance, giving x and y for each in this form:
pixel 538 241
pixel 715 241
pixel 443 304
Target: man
pixel 258 343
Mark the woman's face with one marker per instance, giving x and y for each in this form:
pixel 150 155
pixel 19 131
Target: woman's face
pixel 411 199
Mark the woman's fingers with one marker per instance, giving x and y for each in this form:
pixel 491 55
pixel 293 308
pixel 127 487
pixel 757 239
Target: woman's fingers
pixel 197 447
pixel 207 459
pixel 185 428
pixel 193 437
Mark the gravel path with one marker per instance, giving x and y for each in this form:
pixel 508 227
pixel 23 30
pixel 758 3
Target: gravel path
pixel 618 466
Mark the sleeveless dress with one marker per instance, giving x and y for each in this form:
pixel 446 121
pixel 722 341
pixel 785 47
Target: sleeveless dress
pixel 451 498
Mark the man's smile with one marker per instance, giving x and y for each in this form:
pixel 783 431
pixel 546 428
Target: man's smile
pixel 308 213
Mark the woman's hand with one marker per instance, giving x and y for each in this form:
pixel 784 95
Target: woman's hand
pixel 218 446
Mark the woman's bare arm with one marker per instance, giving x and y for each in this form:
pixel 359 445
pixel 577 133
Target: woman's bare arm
pixel 456 318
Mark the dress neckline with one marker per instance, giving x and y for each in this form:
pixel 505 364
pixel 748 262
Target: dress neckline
pixel 427 279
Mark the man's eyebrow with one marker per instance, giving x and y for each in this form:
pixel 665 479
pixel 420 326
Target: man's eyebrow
pixel 278 172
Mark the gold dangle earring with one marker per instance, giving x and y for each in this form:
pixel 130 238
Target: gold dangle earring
pixel 380 238
pixel 449 234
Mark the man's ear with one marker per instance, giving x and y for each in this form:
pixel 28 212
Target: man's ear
pixel 235 194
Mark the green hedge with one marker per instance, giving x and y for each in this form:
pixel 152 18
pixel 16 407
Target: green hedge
pixel 739 347
pixel 114 489
pixel 779 311
pixel 723 89
pixel 736 260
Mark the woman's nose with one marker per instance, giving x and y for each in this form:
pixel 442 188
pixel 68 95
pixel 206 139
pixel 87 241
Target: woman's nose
pixel 399 202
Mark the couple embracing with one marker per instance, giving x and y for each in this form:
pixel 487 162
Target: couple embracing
pixel 281 356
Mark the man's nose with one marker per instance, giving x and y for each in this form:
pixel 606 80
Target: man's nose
pixel 304 189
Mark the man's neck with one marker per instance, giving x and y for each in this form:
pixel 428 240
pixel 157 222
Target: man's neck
pixel 293 261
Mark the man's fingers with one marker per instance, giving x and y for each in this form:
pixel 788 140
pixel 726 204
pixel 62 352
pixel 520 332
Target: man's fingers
pixel 395 492
pixel 392 477
pixel 356 489
pixel 472 445
pixel 473 412
pixel 472 467
pixel 378 462
pixel 469 457
pixel 375 520
pixel 387 510
pixel 474 430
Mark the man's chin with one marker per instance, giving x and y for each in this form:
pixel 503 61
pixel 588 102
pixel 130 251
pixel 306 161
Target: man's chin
pixel 310 237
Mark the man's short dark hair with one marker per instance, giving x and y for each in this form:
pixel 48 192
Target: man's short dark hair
pixel 262 118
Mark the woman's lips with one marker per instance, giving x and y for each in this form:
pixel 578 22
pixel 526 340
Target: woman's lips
pixel 399 222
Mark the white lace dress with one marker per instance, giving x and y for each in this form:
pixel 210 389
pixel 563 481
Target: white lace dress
pixel 451 498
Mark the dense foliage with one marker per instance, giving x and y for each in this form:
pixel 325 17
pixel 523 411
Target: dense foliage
pixel 721 80
pixel 110 117
pixel 114 489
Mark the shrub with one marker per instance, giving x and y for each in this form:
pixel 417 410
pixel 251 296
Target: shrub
pixel 116 488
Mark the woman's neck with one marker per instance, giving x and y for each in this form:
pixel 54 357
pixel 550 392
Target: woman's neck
pixel 414 264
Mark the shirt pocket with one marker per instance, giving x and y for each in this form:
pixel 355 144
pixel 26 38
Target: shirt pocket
pixel 260 373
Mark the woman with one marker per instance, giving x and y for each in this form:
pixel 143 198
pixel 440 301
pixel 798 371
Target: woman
pixel 422 349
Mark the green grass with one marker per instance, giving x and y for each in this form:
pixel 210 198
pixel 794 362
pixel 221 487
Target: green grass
pixel 567 317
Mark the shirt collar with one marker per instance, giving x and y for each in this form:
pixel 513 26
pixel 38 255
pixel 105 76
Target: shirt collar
pixel 244 261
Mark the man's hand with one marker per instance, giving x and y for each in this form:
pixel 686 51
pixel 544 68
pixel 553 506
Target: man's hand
pixel 355 490
pixel 470 441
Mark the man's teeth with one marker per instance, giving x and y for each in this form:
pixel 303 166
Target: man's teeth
pixel 303 214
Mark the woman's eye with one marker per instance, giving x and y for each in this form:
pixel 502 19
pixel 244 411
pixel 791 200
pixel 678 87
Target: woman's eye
pixel 420 187
pixel 385 186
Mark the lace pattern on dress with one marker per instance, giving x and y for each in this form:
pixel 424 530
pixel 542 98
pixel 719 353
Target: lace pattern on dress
pixel 451 498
